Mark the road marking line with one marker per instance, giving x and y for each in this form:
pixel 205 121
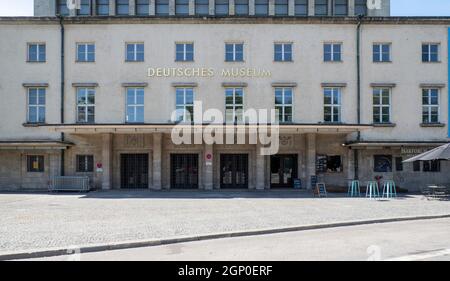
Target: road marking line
pixel 429 255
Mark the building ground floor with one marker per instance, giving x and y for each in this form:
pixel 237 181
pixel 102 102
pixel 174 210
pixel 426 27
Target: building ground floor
pixel 153 161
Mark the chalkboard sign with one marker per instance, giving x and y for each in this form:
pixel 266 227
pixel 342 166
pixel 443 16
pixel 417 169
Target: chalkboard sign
pixel 297 183
pixel 313 181
pixel 321 190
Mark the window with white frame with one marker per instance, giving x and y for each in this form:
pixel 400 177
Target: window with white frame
pixel 332 52
pixel 283 52
pixel 234 103
pixel 283 104
pixel 162 7
pixel 185 104
pixel 202 7
pixel 36 105
pixel 184 52
pixel 135 105
pixel 430 52
pixel 85 52
pixel 36 52
pixel 234 52
pixel 382 52
pixel 430 106
pixel 142 7
pixel 381 105
pixel 135 52
pixel 85 105
pixel 332 105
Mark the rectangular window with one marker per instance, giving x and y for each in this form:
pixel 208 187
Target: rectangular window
pixel 332 52
pixel 234 52
pixel 281 7
pixel 102 7
pixel 63 10
pixel 329 164
pixel 85 52
pixel 184 52
pixel 135 105
pixel 283 52
pixel 416 166
pixel 283 104
pixel 182 7
pixel 261 7
pixel 135 52
pixel 398 164
pixel 430 106
pixel 185 104
pixel 360 7
pixel 234 103
pixel 430 52
pixel 332 105
pixel 433 166
pixel 85 8
pixel 381 105
pixel 202 7
pixel 382 163
pixel 85 105
pixel 222 8
pixel 241 7
pixel 321 8
pixel 340 8
pixel 122 8
pixel 301 7
pixel 35 163
pixel 381 52
pixel 162 7
pixel 85 163
pixel 36 105
pixel 36 52
pixel 142 7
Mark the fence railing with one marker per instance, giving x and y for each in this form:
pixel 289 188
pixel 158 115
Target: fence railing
pixel 70 184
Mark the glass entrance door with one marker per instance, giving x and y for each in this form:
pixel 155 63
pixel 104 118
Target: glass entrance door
pixel 184 171
pixel 234 171
pixel 134 171
pixel 283 171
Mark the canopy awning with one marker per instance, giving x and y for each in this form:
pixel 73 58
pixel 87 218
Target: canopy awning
pixel 439 153
pixel 33 144
pixel 399 144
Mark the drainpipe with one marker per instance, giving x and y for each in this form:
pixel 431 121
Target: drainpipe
pixel 62 92
pixel 358 82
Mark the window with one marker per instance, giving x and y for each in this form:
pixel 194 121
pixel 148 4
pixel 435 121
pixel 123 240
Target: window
pixel 241 7
pixel 142 7
pixel 332 105
pixel 36 105
pixel 85 52
pixel 85 8
pixel 321 8
pixel 85 105
pixel 62 8
pixel 381 105
pixel 430 106
pixel 329 164
pixel 382 163
pixel 185 104
pixel 135 105
pixel 122 8
pixel 432 166
pixel 301 7
pixel 261 7
pixel 35 163
pixel 222 7
pixel 182 7
pixel 416 166
pixel 332 52
pixel 283 104
pixel 135 52
pixel 85 163
pixel 36 52
pixel 103 7
pixel 234 102
pixel 340 8
pixel 184 52
pixel 202 7
pixel 360 7
pixel 283 52
pixel 430 52
pixel 381 52
pixel 234 52
pixel 162 7
pixel 281 7
pixel 398 164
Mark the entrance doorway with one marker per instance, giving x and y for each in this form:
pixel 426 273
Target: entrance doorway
pixel 184 171
pixel 134 171
pixel 234 171
pixel 283 170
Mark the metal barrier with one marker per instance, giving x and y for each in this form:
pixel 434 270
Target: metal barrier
pixel 80 184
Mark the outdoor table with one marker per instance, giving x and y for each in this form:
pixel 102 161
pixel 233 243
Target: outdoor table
pixel 437 191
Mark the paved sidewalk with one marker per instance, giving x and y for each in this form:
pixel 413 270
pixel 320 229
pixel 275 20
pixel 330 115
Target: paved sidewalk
pixel 32 221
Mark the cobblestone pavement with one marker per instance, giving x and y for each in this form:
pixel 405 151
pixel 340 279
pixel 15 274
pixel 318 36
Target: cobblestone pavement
pixel 38 220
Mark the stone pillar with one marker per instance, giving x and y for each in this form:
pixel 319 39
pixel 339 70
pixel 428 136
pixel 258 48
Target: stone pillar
pixel 271 7
pixel 171 7
pixel 191 7
pixel 212 7
pixel 208 167
pixel 350 164
pixel 132 7
pixel 260 182
pixel 351 8
pixel 310 153
pixel 311 8
pixel 291 8
pixel 152 8
pixel 251 7
pixel 157 161
pixel 107 140
pixel 112 7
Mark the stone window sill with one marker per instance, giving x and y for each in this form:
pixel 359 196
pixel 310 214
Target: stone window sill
pixel 32 124
pixel 384 125
pixel 432 125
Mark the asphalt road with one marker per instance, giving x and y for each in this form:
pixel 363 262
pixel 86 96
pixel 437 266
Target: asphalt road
pixel 410 241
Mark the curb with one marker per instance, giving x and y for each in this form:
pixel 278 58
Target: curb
pixel 51 252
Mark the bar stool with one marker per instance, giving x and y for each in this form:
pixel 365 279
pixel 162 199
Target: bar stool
pixel 389 189
pixel 372 190
pixel 354 188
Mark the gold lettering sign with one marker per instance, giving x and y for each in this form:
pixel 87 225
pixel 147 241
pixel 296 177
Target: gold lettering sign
pixel 241 72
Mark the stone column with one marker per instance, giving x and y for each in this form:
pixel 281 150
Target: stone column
pixel 310 153
pixel 112 7
pixel 171 7
pixel 260 169
pixel 291 8
pixel 107 161
pixel 191 7
pixel 271 7
pixel 152 8
pixel 350 164
pixel 351 8
pixel 311 8
pixel 132 7
pixel 251 7
pixel 208 167
pixel 212 7
pixel 157 161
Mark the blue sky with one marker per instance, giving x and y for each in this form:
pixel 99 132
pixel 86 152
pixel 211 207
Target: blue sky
pixel 398 7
